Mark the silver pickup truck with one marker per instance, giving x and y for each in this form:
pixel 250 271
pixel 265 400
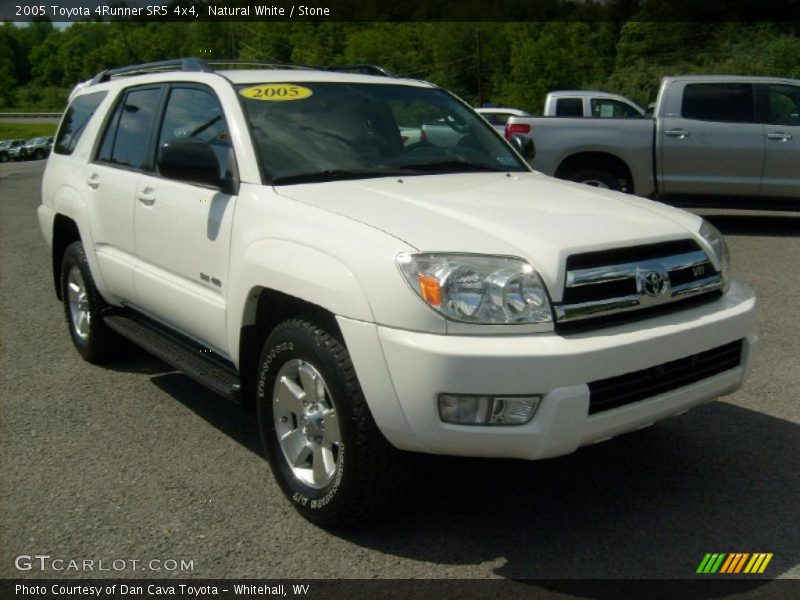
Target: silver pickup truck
pixel 710 137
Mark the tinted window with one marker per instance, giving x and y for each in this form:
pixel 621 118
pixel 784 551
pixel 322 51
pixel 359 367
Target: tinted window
pixel 569 107
pixel 194 113
pixel 75 121
pixel 728 102
pixel 107 145
pixel 126 141
pixel 497 118
pixel 612 109
pixel 784 104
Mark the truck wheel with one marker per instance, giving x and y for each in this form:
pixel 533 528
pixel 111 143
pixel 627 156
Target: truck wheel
pixel 39 155
pixel 3 157
pixel 324 447
pixel 596 178
pixel 83 306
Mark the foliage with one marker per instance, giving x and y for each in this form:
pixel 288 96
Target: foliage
pixel 518 63
pixel 25 131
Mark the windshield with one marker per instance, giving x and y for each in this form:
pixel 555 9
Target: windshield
pixel 324 131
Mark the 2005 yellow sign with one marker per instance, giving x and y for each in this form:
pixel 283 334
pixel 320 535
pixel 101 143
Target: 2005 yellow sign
pixel 276 92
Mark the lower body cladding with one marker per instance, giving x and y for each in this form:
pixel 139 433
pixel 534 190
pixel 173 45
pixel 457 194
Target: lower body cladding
pixel 404 373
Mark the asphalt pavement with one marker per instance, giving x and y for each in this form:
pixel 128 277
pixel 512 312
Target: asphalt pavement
pixel 134 461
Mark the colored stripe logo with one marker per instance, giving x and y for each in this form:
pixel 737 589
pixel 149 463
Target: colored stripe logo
pixel 734 563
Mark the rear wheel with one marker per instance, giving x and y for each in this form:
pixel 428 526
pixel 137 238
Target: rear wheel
pixel 83 307
pixel 324 447
pixel 596 178
pixel 39 155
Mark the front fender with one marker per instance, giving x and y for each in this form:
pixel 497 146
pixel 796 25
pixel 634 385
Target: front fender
pixel 297 270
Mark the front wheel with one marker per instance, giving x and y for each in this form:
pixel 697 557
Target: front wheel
pixel 324 447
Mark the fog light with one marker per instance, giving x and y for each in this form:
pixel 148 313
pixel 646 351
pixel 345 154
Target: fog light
pixel 487 410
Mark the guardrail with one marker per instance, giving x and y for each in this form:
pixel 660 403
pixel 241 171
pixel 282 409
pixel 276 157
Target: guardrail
pixel 30 115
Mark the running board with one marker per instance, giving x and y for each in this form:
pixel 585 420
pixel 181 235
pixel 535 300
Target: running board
pixel 182 354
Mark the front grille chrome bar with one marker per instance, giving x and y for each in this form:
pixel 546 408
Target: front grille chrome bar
pixel 630 270
pixel 636 285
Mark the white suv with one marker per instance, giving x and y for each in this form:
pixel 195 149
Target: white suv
pixel 270 232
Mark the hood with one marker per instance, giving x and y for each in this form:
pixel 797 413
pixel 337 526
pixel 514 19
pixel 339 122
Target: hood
pixel 530 215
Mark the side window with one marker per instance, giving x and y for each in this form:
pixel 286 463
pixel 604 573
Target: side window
pixel 127 136
pixel 725 102
pixel 784 104
pixel 569 107
pixel 612 109
pixel 75 120
pixel 195 113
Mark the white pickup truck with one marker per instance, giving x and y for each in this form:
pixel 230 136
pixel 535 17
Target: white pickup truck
pixel 588 103
pixel 272 233
pixel 711 137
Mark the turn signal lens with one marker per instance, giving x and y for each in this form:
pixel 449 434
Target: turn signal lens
pixel 430 290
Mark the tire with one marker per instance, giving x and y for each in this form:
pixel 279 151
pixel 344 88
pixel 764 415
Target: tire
pixel 343 470
pixel 38 155
pixel 83 307
pixel 3 157
pixel 596 178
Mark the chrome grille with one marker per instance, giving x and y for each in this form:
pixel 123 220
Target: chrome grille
pixel 611 282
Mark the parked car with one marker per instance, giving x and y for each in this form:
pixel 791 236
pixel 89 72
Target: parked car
pixel 712 137
pixel 498 117
pixel 369 297
pixel 11 150
pixel 583 103
pixel 38 148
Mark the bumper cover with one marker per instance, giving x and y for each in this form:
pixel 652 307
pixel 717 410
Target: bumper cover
pixel 403 372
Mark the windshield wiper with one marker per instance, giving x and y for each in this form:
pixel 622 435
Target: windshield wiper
pixel 336 174
pixel 452 166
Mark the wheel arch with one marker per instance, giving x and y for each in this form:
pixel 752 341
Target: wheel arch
pixel 605 161
pixel 65 232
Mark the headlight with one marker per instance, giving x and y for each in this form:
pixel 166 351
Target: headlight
pixel 477 288
pixel 714 238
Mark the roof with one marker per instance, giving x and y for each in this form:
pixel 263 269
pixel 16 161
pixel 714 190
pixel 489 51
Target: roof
pixel 730 78
pixel 242 76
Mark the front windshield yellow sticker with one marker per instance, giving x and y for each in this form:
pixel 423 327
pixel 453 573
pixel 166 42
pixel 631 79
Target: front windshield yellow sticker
pixel 276 92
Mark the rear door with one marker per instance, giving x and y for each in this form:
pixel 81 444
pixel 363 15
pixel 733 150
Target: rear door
pixel 709 140
pixel 780 113
pixel 111 181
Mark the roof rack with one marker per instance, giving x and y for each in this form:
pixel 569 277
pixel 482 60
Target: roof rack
pixel 205 66
pixel 364 69
pixel 274 64
pixel 181 64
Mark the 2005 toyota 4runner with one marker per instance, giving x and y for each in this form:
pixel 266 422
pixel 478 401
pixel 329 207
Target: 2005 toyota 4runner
pixel 277 235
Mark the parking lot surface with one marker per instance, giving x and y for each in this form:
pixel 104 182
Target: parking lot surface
pixel 135 461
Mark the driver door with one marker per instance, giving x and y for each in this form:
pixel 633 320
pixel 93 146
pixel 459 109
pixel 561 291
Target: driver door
pixel 183 230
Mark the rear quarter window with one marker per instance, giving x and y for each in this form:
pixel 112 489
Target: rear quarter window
pixel 75 120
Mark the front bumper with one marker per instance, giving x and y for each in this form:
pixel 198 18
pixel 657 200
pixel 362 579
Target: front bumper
pixel 403 372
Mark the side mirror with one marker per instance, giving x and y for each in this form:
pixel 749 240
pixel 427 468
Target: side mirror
pixel 524 145
pixel 191 161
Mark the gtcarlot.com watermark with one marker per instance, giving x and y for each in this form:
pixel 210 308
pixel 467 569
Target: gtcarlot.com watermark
pixel 47 563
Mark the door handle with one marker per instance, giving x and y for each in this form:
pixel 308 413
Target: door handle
pixel 146 197
pixel 93 181
pixel 780 136
pixel 678 133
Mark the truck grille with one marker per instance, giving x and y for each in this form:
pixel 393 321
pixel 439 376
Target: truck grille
pixel 610 282
pixel 639 385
